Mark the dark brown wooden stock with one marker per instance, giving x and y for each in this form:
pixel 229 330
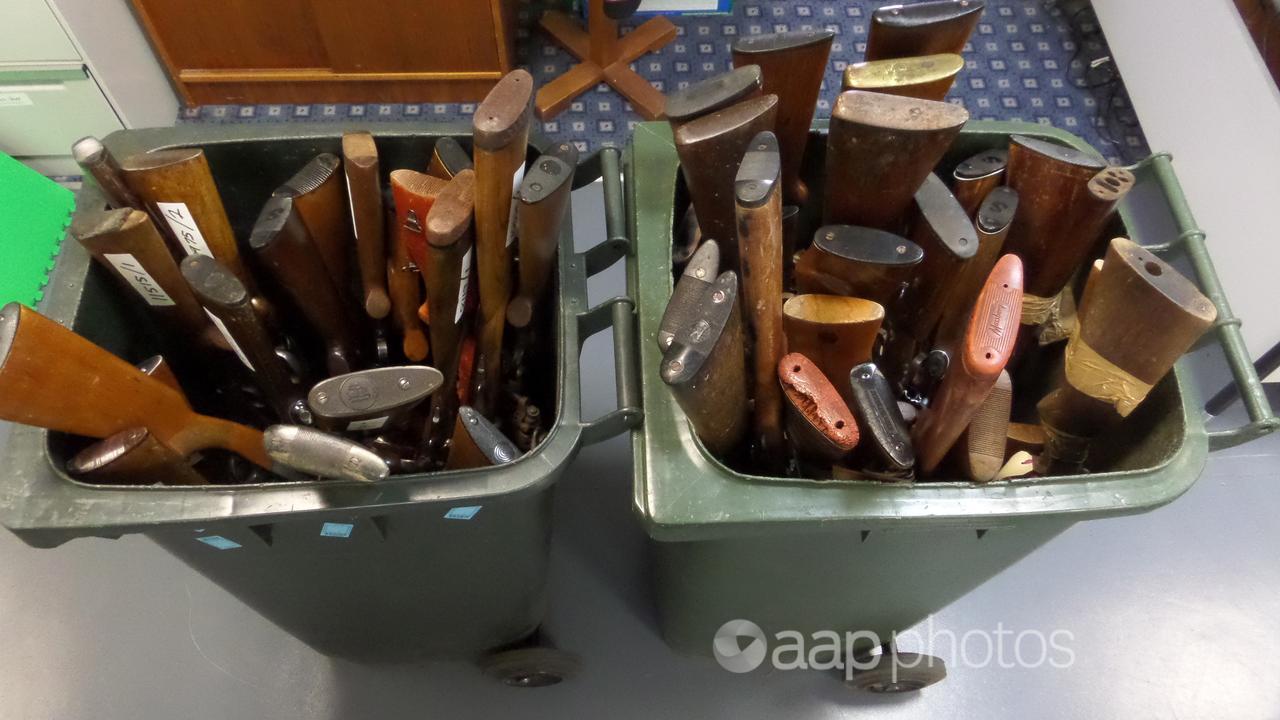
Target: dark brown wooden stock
pixel 99 164
pixel 450 239
pixel 1140 315
pixel 981 448
pixel 835 333
pixel 992 225
pixel 500 135
pixel 320 200
pixel 286 250
pixel 710 149
pixel 364 193
pixel 706 371
pixel 542 204
pixel 448 158
pixel 922 28
pixel 975 178
pixel 98 394
pixel 792 65
pixel 987 345
pixel 715 93
pixel 928 77
pixel 1055 206
pixel 127 244
pixel 859 262
pixel 819 423
pixel 226 298
pixel 133 457
pixel 880 148
pixel 178 187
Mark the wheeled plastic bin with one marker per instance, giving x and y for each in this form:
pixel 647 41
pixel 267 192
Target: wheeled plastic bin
pixel 849 556
pixel 448 564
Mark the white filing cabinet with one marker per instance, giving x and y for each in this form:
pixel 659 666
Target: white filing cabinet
pixel 48 96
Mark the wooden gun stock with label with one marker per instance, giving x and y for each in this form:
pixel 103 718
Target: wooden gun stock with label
pixel 364 194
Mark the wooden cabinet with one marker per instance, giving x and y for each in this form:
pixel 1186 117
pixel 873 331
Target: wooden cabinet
pixel 303 51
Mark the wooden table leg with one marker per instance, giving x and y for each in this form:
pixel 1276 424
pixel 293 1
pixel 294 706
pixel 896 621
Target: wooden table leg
pixel 556 95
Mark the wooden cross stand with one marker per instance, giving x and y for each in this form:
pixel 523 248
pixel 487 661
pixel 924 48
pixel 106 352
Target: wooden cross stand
pixel 604 56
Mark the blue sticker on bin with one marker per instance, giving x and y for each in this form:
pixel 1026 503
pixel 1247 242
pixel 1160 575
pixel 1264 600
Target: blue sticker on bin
pixel 219 542
pixel 462 513
pixel 338 530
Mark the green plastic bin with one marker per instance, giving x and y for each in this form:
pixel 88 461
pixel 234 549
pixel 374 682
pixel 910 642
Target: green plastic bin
pixel 851 556
pixel 450 564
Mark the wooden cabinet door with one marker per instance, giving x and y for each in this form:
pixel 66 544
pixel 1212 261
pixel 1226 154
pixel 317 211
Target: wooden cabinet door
pixel 401 36
pixel 235 34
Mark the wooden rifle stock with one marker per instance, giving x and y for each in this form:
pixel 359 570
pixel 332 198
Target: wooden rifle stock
pixel 501 136
pixel 834 332
pixel 792 65
pixel 711 148
pixel 981 448
pixel 478 442
pixel 98 394
pixel 922 28
pixel 986 348
pixel 133 457
pixel 927 77
pixel 714 93
pixel 859 262
pixel 286 250
pixel 320 200
pixel 992 225
pixel 99 164
pixel 880 149
pixel 884 447
pixel 759 214
pixel 974 178
pixel 1138 316
pixel 542 203
pixel 405 290
pixel 448 158
pixel 686 297
pixel 364 195
pixel 376 400
pixel 821 426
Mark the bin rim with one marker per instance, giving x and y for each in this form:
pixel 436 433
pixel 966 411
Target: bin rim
pixel 45 507
pixel 682 494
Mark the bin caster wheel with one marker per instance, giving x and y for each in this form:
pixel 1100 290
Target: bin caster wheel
pixel 899 672
pixel 530 666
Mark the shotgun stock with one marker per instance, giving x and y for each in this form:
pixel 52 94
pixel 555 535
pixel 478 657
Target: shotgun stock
pixel 1138 316
pixel 227 302
pixel 923 28
pixel 376 400
pixel 99 164
pixel 98 394
pixel 405 290
pixel 974 179
pixel 450 239
pixel 880 149
pixel 133 457
pixel 178 187
pixel 157 367
pixel 478 442
pixel 313 452
pixel 320 200
pixel 928 77
pixel 543 201
pixel 859 262
pixel 414 193
pixel 687 296
pixel 992 225
pixel 987 345
pixel 884 447
pixel 128 245
pixel 792 65
pixel 715 93
pixel 706 371
pixel 501 135
pixel 711 148
pixel 981 448
pixel 759 213
pixel 790 241
pixel 448 158
pixel 833 332
pixel 949 240
pixel 687 239
pixel 819 423
pixel 364 196
pixel 286 250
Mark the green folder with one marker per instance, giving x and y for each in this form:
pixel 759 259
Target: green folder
pixel 34 213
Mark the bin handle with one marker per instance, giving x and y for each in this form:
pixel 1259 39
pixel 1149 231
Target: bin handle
pixel 620 312
pixel 1227 326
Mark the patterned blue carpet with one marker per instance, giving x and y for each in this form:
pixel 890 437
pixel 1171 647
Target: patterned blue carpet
pixel 1039 60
